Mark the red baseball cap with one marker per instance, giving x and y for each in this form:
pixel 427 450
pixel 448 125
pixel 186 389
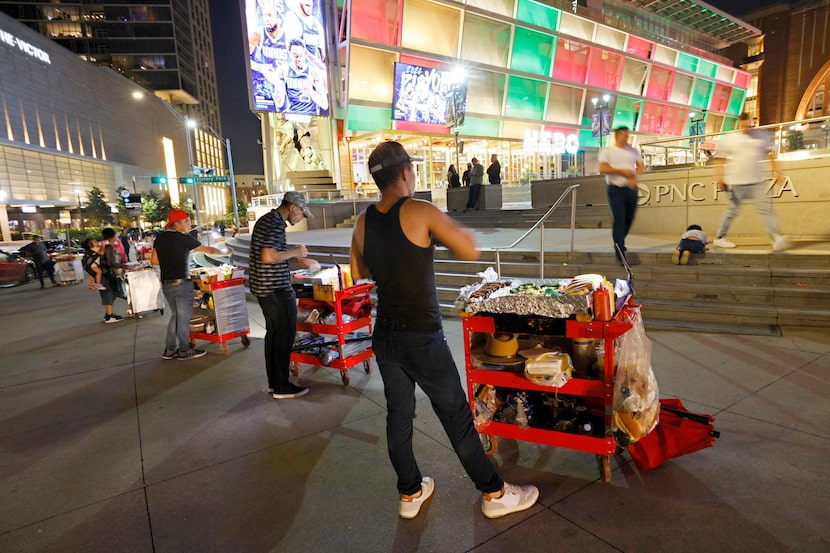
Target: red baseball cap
pixel 175 216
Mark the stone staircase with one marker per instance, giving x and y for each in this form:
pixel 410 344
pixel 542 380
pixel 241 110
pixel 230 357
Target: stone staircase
pixel 717 292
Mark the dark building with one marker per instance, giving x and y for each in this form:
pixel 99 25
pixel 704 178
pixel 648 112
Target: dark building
pixel 165 46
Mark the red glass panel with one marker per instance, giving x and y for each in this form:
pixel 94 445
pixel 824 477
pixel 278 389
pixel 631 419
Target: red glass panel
pixel 652 118
pixel 742 79
pixel 720 99
pixel 377 20
pixel 674 121
pixel 604 69
pixel 660 83
pixel 639 46
pixel 571 62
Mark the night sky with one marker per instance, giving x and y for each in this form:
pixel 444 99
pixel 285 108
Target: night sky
pixel 242 127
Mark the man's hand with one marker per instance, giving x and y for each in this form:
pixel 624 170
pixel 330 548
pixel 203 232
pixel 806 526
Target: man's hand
pixel 309 263
pixel 299 251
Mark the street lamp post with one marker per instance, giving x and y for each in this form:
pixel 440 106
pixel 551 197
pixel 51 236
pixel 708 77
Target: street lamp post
pixel 80 212
pixel 697 129
pixel 190 124
pixel 599 111
pixel 227 142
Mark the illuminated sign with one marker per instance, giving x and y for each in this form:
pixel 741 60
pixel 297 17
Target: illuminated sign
pixel 286 49
pixel 25 47
pixel 421 95
pixel 547 142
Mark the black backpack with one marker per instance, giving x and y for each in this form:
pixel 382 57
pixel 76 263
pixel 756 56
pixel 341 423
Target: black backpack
pixel 88 261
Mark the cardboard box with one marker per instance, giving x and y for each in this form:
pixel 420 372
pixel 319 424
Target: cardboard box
pixel 323 292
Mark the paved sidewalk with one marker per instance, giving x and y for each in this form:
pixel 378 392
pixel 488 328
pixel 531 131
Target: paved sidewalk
pixel 106 447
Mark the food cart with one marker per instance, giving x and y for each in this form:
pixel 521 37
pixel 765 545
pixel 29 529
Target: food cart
pixel 220 311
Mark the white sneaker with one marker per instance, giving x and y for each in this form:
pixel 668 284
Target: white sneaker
pixel 513 499
pixel 779 244
pixel 723 243
pixel 411 505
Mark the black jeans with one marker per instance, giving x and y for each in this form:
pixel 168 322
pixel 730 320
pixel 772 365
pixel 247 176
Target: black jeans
pixel 280 311
pixel 623 203
pixel 409 357
pixel 47 267
pixel 472 196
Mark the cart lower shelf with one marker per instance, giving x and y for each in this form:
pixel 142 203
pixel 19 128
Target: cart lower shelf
pixel 223 339
pixel 341 364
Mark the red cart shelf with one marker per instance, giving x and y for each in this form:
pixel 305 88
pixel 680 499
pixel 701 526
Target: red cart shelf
pixel 340 330
pixel 230 311
pixel 601 389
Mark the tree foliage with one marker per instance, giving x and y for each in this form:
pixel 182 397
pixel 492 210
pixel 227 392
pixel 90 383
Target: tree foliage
pixel 155 206
pixel 97 212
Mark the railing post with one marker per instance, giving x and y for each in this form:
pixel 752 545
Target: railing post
pixel 573 217
pixel 498 262
pixel 542 251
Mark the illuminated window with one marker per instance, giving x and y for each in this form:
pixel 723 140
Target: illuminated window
pixel 485 41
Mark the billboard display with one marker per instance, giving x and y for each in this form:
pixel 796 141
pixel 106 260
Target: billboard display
pixel 287 53
pixel 421 95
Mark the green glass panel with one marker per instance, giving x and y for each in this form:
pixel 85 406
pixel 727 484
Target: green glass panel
pixel 364 118
pixel 588 140
pixel 626 112
pixel 481 127
pixel 532 52
pixel 736 101
pixel 707 68
pixel 538 14
pixel 729 124
pixel 526 98
pixel 687 62
pixel 702 93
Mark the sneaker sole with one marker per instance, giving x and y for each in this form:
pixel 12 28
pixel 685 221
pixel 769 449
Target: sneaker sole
pixel 194 356
pixel 510 511
pixel 421 503
pixel 290 396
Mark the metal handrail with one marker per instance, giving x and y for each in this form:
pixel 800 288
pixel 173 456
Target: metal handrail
pixel 541 223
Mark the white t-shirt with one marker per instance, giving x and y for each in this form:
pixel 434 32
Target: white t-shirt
pixel 626 157
pixel 747 153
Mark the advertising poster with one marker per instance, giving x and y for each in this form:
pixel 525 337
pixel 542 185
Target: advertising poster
pixel 287 49
pixel 421 95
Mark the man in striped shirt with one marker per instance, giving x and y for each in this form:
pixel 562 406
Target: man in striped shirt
pixel 270 281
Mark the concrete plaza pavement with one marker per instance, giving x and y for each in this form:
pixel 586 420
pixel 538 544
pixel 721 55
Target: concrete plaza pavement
pixel 106 447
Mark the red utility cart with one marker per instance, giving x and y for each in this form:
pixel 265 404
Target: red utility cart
pixel 224 303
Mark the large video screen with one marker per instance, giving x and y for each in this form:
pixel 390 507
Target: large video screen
pixel 287 50
pixel 421 95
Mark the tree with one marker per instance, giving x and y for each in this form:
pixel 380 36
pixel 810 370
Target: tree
pixel 155 206
pixel 97 212
pixel 242 209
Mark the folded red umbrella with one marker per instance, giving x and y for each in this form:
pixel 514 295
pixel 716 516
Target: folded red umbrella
pixel 678 432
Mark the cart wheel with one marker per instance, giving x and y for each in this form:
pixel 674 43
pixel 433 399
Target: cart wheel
pixel 605 468
pixel 129 312
pixel 344 375
pixel 367 367
pixel 161 311
pixel 245 340
pixel 223 348
pixel 489 443
pixel 295 369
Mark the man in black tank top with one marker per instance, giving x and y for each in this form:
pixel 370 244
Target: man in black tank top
pixel 392 243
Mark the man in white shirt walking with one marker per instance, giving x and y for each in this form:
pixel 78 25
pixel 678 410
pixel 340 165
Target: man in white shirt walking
pixel 743 177
pixel 621 163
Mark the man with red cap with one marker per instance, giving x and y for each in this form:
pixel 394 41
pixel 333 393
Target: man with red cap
pixel 171 252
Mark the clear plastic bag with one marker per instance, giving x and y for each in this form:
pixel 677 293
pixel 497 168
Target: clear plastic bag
pixel 636 395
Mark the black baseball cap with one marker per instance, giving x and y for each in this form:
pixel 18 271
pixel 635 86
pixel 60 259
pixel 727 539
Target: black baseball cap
pixel 389 154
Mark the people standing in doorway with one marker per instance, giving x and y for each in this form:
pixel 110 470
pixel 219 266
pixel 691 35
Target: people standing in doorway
pixel 465 177
pixel 743 177
pixel 392 243
pixel 452 177
pixel 621 163
pixel 476 178
pixel 270 281
pixel 171 252
pixel 494 170
pixel 36 251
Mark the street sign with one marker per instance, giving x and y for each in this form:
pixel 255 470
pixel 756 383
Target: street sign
pixel 211 179
pixel 132 201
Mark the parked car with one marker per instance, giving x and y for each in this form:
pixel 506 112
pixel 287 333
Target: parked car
pixel 15 269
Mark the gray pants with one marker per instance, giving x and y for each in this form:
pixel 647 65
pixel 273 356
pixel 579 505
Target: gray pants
pixel 755 193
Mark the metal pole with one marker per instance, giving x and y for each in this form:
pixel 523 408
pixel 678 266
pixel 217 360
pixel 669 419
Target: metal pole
pixel 542 250
pixel 81 215
pixel 190 173
pixel 573 217
pixel 233 184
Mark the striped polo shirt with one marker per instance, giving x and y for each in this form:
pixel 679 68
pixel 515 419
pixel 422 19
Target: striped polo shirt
pixel 265 278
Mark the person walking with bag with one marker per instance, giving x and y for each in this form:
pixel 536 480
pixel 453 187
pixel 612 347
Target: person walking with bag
pixel 110 262
pixel 43 264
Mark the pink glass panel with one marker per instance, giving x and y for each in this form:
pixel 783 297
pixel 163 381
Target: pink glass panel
pixel 720 99
pixel 639 46
pixel 742 79
pixel 604 69
pixel 659 83
pixel 377 20
pixel 674 120
pixel 571 62
pixel 652 118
